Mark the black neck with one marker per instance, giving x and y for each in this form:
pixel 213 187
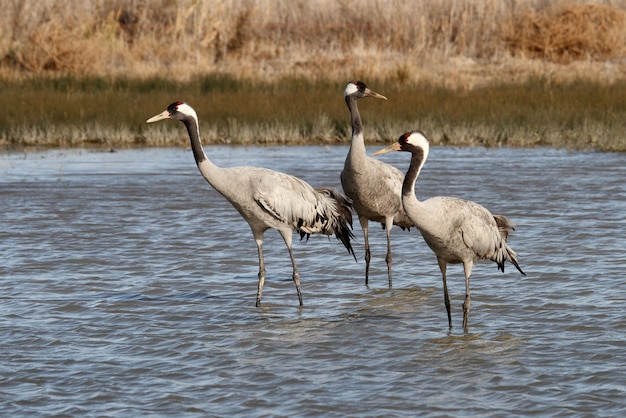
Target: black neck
pixel 357 125
pixel 417 160
pixel 194 137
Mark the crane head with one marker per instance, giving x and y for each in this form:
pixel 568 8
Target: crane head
pixel 408 141
pixel 177 110
pixel 360 90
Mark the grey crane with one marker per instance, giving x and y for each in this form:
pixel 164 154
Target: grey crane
pixel 373 186
pixel 269 199
pixel 457 230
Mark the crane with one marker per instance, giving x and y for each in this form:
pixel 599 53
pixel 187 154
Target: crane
pixel 456 230
pixel 373 186
pixel 269 199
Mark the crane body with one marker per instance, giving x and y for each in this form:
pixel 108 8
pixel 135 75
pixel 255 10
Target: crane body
pixel 269 199
pixel 456 230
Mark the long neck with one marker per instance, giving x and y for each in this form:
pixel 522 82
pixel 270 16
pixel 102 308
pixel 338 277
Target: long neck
pixel 194 136
pixel 206 167
pixel 357 144
pixel 417 161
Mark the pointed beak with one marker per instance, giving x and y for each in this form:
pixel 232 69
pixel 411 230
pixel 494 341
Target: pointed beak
pixel 393 147
pixel 164 115
pixel 372 93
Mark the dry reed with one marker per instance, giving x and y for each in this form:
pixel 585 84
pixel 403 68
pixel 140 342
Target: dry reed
pixel 455 43
pixel 569 32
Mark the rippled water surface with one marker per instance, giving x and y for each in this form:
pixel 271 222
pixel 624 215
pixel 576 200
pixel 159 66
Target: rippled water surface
pixel 127 288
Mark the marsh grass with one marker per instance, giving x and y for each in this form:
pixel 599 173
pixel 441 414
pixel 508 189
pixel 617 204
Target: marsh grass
pixel 111 112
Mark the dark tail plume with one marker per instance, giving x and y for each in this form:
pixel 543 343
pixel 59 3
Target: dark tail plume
pixel 341 225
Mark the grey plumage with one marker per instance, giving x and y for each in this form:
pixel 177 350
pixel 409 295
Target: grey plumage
pixel 373 186
pixel 270 199
pixel 457 230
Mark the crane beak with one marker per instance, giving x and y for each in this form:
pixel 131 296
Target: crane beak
pixel 393 147
pixel 372 93
pixel 164 115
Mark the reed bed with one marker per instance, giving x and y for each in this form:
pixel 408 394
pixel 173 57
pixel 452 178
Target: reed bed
pixel 490 72
pixel 457 43
pixel 112 113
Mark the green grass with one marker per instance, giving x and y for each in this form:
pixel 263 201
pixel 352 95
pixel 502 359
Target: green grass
pixel 111 112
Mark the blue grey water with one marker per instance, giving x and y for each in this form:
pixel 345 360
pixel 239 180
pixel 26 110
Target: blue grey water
pixel 127 288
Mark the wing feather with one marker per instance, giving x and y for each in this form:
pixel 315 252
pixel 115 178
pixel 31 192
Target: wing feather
pixel 480 231
pixel 293 201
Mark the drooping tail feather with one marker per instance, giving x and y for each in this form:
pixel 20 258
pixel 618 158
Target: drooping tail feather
pixel 512 257
pixel 505 226
pixel 339 223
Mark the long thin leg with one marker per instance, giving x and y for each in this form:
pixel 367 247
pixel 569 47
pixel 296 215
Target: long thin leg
pixel 258 237
pixel 446 298
pixel 467 267
pixel 287 235
pixel 388 226
pixel 368 256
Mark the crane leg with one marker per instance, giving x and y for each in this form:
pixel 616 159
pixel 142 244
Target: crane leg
pixel 296 275
pixel 368 256
pixel 259 293
pixel 388 226
pixel 446 298
pixel 467 267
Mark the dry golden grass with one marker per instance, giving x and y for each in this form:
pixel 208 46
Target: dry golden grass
pixel 454 43
pixel 569 32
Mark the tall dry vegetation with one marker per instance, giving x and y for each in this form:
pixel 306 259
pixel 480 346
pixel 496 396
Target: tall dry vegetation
pixel 450 42
pixel 566 33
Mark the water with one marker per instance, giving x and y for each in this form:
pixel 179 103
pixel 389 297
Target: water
pixel 127 288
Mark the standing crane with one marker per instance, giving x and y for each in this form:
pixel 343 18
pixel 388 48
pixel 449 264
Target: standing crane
pixel 373 186
pixel 457 230
pixel 269 199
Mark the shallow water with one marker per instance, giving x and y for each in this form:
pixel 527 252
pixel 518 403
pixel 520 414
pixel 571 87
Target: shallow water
pixel 127 288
